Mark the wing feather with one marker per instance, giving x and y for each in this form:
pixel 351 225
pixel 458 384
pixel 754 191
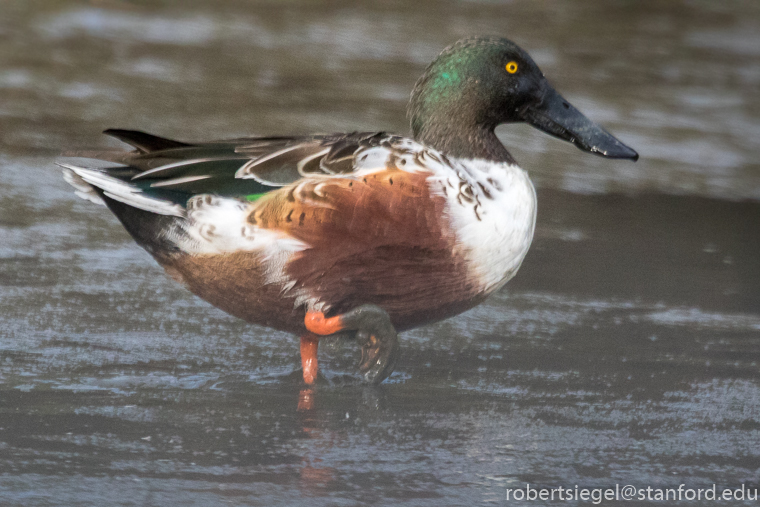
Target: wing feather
pixel 247 168
pixel 280 167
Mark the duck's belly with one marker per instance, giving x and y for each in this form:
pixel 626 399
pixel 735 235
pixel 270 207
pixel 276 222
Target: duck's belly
pixel 413 285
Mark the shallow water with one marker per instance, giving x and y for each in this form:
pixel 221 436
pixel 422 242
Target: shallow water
pixel 625 351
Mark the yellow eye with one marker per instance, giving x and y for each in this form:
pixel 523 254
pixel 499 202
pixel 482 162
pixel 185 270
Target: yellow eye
pixel 512 67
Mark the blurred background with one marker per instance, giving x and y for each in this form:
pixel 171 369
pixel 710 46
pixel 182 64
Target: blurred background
pixel 625 351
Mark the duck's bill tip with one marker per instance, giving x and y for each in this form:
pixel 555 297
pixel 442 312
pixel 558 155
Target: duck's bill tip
pixel 620 151
pixel 557 117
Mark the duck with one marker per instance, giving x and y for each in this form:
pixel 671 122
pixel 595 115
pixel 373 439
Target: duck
pixel 361 234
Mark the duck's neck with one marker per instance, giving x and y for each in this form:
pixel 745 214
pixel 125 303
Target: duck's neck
pixel 456 128
pixel 454 139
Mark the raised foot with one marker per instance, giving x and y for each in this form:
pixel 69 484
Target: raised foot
pixel 374 332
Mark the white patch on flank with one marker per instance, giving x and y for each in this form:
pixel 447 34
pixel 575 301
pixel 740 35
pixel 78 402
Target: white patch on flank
pixel 218 225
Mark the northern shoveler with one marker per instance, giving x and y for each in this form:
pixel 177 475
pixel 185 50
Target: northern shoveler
pixel 368 232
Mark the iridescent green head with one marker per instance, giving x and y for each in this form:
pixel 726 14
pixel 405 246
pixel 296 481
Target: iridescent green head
pixel 480 82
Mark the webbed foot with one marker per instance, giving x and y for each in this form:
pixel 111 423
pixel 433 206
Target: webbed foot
pixel 374 332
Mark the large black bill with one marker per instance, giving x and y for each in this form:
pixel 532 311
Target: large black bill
pixel 558 117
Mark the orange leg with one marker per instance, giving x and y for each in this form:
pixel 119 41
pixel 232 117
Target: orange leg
pixel 317 323
pixel 309 345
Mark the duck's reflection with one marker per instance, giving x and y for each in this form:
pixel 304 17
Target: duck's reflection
pixel 324 428
pixel 306 401
pixel 315 480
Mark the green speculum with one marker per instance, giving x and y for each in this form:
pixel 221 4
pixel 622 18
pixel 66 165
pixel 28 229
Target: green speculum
pixel 254 197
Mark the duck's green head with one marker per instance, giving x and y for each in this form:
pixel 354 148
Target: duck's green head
pixel 481 82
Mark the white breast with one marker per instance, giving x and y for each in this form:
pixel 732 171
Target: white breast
pixel 492 209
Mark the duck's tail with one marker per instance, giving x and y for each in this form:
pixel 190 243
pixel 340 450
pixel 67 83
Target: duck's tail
pixel 113 182
pixel 177 198
pixel 157 225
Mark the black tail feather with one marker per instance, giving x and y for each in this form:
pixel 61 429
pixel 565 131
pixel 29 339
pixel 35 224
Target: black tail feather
pixel 144 142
